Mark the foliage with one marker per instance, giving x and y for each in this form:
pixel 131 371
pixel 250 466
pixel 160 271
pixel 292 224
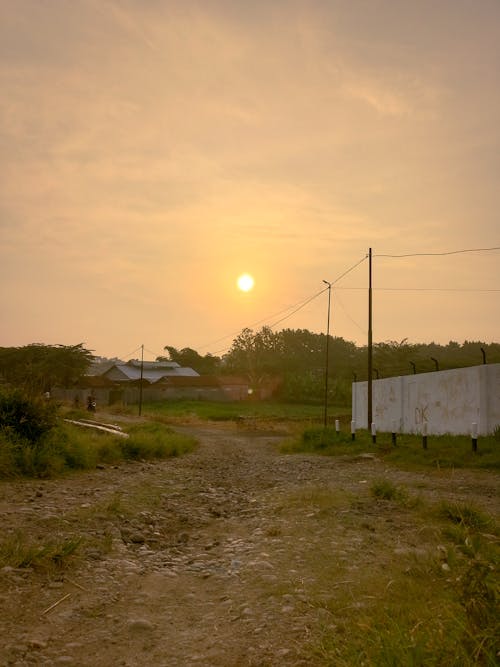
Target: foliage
pixel 27 427
pixel 25 418
pixel 298 358
pixel 204 365
pixel 37 368
pixel 34 443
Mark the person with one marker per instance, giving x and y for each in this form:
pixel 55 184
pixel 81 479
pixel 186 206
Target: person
pixel 91 403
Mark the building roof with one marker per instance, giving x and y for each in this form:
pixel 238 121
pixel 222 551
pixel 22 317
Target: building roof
pixel 152 371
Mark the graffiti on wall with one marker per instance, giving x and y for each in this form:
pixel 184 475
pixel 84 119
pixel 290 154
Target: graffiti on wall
pixel 421 414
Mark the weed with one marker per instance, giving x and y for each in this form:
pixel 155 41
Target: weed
pixel 16 551
pixel 384 489
pixel 465 515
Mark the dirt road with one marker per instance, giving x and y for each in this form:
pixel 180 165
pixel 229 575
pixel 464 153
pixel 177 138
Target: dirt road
pixel 218 558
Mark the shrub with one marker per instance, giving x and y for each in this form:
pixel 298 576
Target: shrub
pixel 26 418
pixel 383 489
pixel 28 441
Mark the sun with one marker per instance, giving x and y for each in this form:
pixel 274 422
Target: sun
pixel 245 282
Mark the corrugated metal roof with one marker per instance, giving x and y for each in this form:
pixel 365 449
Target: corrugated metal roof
pixel 126 372
pixel 153 365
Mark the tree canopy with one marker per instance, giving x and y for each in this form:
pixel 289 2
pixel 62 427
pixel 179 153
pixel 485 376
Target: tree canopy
pixel 298 358
pixel 205 365
pixel 37 368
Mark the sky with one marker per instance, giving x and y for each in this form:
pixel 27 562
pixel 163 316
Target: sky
pixel 151 151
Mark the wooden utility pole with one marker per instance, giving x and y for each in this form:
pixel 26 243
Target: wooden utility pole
pixel 370 341
pixel 140 386
pixel 325 415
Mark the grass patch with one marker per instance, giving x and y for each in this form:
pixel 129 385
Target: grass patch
pixel 466 516
pixel 316 499
pixel 17 551
pixel 384 489
pixel 415 611
pixel 155 441
pixel 68 447
pixel 444 451
pixel 185 411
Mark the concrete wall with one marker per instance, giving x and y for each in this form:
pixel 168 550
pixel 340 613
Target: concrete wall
pixel 449 401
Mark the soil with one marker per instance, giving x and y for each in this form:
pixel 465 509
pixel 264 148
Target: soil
pixel 208 559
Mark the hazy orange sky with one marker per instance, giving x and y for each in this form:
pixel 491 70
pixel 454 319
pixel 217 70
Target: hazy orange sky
pixel 153 150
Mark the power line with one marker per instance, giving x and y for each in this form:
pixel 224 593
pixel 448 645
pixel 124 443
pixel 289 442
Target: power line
pixel 123 356
pixel 441 254
pixel 271 326
pixel 298 306
pixel 424 289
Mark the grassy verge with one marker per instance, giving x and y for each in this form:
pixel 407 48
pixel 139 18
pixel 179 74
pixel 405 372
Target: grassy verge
pixel 438 608
pixel 68 447
pixel 444 451
pixel 394 580
pixel 185 411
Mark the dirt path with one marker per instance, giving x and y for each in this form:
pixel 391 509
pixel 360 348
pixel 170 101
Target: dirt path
pixel 219 558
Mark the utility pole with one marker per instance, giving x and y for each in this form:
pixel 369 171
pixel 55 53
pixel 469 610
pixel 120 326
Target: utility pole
pixel 140 386
pixel 370 341
pixel 325 419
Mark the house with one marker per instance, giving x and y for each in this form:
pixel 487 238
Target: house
pixel 161 380
pixel 152 371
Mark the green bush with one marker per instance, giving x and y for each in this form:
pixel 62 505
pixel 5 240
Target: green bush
pixel 28 441
pixel 60 447
pixel 26 418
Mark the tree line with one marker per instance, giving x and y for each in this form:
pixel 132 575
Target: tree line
pixel 293 359
pixel 298 358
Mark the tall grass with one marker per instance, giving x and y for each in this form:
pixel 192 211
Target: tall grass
pixel 155 441
pixel 68 447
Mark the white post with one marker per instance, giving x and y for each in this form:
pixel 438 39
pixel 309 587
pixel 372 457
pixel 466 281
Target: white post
pixel 374 432
pixel 337 426
pixel 353 429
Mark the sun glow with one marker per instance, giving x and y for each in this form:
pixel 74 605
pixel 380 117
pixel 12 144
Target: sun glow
pixel 245 282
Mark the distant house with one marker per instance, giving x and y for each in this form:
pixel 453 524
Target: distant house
pixel 161 380
pixel 152 371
